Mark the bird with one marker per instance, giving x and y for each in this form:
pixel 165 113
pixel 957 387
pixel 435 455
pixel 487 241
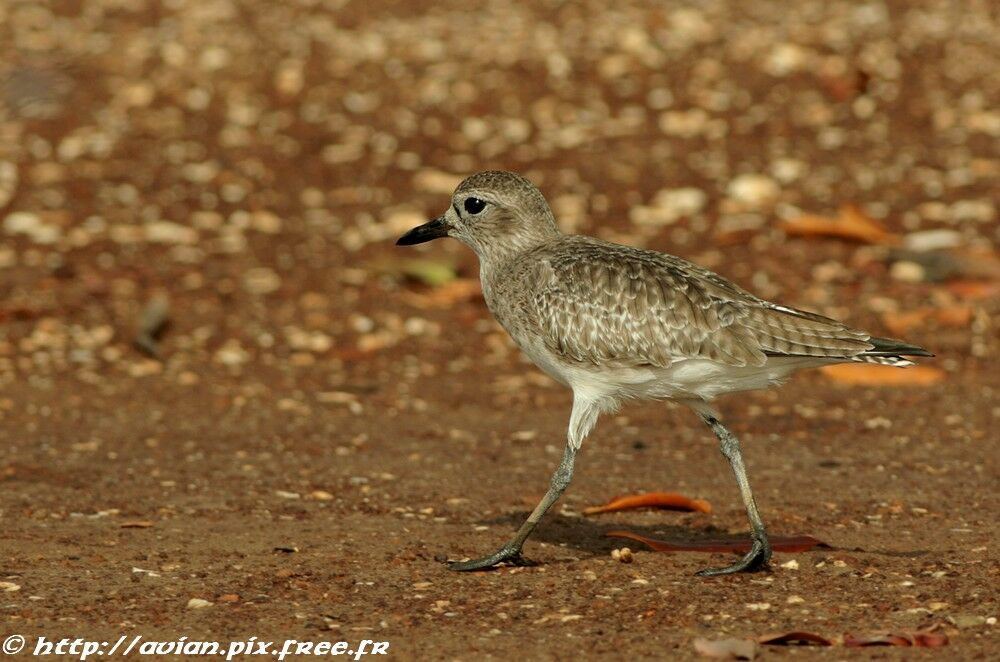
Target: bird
pixel 616 323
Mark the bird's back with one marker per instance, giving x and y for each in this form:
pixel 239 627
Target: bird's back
pixel 589 301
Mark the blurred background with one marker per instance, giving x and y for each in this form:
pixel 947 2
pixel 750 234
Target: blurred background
pixel 202 310
pixel 252 161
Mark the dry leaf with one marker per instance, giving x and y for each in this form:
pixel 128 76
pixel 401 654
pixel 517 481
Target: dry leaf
pixel 778 544
pixel 918 639
pixel 726 649
pixel 664 500
pixel 851 223
pixel 794 639
pixel 136 524
pixel 973 289
pixel 868 374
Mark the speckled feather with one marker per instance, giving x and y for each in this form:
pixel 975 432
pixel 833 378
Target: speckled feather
pixel 602 303
pixel 615 322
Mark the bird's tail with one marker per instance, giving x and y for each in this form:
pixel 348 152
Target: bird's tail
pixel 887 351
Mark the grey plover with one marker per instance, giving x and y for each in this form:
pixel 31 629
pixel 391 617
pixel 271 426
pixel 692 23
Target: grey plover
pixel 616 323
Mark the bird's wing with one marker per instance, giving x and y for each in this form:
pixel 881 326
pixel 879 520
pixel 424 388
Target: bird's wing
pixel 606 304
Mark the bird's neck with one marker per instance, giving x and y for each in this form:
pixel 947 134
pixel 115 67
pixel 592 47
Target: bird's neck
pixel 495 255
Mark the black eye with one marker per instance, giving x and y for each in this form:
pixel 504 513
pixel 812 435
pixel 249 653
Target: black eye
pixel 474 205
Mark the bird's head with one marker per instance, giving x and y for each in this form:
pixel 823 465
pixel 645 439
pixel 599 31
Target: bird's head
pixel 494 212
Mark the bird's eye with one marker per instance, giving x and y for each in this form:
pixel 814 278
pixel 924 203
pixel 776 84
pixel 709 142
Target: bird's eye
pixel 474 205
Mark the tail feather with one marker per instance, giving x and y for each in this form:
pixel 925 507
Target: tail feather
pixel 887 351
pixel 891 347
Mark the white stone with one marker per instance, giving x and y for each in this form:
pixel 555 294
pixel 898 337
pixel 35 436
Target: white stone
pixel 261 280
pixel 785 59
pixel 681 201
pixel 168 232
pixel 753 190
pixel 232 354
pixel 32 226
pixel 907 272
pixel 930 240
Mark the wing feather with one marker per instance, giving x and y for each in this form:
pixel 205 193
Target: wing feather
pixel 606 304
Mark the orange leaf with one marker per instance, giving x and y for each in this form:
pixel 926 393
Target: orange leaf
pixel 868 374
pixel 953 316
pixel 665 500
pixel 136 524
pixel 778 544
pixel 793 638
pixel 973 289
pixel 850 223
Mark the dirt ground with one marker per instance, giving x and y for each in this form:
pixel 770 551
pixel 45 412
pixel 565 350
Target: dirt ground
pixel 330 416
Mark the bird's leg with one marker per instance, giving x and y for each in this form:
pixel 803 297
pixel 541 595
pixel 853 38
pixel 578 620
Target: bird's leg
pixel 511 552
pixel 760 553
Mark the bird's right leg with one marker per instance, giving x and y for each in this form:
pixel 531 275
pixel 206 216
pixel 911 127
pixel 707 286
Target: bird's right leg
pixel 581 421
pixel 511 552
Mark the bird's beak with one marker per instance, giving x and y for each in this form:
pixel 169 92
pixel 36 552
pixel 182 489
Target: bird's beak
pixel 431 230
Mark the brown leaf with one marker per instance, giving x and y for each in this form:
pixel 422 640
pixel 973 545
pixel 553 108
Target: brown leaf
pixel 918 639
pixel 930 639
pixel 726 649
pixel 795 638
pixel 778 544
pixel 664 500
pixel 136 524
pixel 851 223
pixel 867 374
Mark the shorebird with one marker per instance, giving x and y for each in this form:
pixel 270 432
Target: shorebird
pixel 616 323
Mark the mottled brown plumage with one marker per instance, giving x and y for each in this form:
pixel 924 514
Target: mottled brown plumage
pixel 605 304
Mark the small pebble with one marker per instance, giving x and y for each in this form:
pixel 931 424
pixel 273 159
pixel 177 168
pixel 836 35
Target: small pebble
pixel 623 555
pixel 907 272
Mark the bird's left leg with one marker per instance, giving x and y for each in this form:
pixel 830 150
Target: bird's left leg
pixel 581 421
pixel 760 552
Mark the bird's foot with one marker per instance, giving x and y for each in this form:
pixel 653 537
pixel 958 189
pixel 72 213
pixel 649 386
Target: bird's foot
pixel 756 559
pixel 506 554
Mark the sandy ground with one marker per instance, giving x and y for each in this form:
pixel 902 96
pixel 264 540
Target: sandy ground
pixel 331 416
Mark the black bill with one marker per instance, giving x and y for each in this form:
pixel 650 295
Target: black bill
pixel 431 230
